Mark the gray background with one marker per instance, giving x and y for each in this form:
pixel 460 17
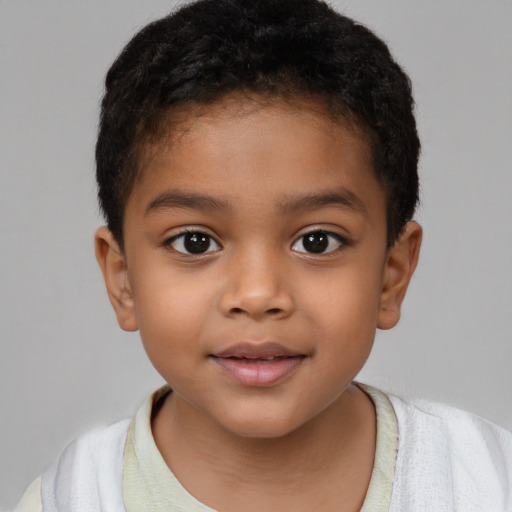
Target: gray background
pixel 65 366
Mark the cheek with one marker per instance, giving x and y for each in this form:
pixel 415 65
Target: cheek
pixel 349 298
pixel 345 313
pixel 171 313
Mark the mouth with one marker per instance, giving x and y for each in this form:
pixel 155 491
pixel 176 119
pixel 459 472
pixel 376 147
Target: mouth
pixel 258 365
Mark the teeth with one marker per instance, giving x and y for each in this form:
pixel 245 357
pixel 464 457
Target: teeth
pixel 271 358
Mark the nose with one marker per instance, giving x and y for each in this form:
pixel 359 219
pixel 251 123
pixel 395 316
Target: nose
pixel 258 287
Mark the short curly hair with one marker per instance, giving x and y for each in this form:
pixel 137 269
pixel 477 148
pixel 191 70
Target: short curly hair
pixel 211 48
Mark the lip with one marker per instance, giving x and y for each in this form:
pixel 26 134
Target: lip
pixel 258 364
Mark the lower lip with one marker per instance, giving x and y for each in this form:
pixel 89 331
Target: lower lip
pixel 259 372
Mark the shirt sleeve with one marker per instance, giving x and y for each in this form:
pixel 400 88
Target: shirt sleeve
pixel 31 500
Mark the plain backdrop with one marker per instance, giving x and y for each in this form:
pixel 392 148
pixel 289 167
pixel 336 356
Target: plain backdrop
pixel 65 366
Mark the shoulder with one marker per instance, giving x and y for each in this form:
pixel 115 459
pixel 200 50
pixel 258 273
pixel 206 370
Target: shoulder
pixel 88 475
pixel 87 471
pixel 459 459
pixel 99 443
pixel 97 448
pixel 469 435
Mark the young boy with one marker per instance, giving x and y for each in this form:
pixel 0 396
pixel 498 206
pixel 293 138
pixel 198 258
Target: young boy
pixel 257 168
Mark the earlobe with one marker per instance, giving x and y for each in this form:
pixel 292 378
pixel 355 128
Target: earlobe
pixel 400 264
pixel 115 274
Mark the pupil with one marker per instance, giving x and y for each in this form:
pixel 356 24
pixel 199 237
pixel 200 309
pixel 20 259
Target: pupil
pixel 316 242
pixel 196 243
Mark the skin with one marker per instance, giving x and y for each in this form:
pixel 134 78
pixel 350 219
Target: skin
pixel 258 282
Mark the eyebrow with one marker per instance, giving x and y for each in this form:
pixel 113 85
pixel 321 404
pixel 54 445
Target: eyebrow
pixel 177 199
pixel 343 199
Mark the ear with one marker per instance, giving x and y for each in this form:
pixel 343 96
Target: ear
pixel 115 275
pixel 401 262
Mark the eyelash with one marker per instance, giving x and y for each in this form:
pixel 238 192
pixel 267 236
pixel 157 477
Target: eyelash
pixel 329 238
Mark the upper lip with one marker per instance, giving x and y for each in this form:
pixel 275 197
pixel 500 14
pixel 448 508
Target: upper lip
pixel 256 350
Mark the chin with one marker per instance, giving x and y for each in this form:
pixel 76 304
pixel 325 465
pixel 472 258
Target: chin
pixel 257 427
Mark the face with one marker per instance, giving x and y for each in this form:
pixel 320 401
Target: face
pixel 255 264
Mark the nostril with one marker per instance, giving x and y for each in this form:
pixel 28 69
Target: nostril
pixel 237 310
pixel 274 311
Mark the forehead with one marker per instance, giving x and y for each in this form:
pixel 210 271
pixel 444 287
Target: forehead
pixel 236 147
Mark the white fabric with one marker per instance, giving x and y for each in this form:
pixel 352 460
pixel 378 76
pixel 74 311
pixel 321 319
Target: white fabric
pixel 450 461
pixel 447 461
pixel 149 485
pixel 88 476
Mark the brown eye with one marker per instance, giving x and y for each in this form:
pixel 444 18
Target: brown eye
pixel 318 242
pixel 194 242
pixel 315 242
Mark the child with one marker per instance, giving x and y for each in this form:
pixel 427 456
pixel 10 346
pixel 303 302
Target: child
pixel 257 168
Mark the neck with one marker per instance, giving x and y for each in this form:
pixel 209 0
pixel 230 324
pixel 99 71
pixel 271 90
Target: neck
pixel 334 450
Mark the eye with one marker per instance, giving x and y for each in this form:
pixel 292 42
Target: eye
pixel 193 242
pixel 319 242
